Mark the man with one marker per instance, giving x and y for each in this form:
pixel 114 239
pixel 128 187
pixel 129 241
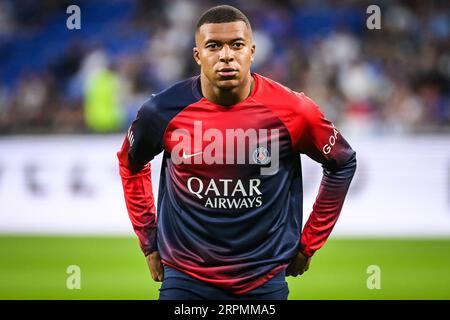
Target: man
pixel 229 222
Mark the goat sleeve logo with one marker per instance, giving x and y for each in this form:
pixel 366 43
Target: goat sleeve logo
pixel 331 141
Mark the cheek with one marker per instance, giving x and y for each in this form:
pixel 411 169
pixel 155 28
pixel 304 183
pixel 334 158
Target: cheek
pixel 209 62
pixel 245 60
pixel 205 59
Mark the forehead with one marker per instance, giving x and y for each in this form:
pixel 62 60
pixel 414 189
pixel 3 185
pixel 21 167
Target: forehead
pixel 223 31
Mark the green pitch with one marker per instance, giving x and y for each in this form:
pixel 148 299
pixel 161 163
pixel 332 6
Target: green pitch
pixel 113 268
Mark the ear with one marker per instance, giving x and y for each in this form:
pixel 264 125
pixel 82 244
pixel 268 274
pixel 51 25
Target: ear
pixel 253 49
pixel 196 55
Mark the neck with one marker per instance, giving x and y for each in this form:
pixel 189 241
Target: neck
pixel 226 97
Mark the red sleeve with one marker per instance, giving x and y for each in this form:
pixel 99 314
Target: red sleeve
pixel 137 188
pixel 321 141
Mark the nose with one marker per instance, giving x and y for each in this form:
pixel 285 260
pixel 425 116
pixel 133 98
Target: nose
pixel 226 54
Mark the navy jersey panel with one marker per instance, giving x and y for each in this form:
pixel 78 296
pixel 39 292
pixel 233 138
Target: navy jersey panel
pixel 224 222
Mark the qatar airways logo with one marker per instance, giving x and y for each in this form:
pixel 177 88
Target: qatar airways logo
pixel 234 146
pixel 227 193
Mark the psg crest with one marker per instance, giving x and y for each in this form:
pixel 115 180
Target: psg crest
pixel 261 155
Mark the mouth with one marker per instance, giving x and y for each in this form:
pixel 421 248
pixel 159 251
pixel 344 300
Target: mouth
pixel 227 72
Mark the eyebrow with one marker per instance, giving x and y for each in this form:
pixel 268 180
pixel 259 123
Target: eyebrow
pixel 219 41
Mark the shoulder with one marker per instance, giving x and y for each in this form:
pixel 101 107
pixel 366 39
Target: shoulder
pixel 268 86
pixel 280 98
pixel 173 99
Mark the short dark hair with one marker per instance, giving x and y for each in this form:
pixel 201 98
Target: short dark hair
pixel 222 14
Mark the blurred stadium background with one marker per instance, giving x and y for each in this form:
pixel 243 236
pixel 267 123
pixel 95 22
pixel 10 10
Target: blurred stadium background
pixel 68 96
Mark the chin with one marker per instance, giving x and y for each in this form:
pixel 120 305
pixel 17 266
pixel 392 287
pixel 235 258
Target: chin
pixel 228 84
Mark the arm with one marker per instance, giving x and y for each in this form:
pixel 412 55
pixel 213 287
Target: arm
pixel 327 206
pixel 321 141
pixel 137 150
pixel 137 188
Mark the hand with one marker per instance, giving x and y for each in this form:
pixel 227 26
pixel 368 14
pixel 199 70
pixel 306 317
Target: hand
pixel 155 266
pixel 298 265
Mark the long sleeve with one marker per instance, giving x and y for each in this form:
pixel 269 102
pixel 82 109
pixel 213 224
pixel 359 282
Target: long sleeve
pixel 328 206
pixel 324 143
pixel 138 148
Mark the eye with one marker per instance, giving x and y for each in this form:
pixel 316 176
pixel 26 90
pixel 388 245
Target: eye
pixel 238 45
pixel 212 45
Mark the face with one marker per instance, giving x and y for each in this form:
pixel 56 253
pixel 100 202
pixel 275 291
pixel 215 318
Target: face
pixel 224 51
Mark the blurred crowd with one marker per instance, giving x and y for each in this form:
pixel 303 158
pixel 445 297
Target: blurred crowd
pixel 394 80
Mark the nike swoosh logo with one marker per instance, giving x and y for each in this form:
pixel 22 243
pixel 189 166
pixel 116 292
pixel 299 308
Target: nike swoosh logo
pixel 187 156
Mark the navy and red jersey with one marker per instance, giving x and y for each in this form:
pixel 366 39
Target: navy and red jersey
pixel 230 193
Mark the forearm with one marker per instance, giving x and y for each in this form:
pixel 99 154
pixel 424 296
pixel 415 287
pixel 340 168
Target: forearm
pixel 328 205
pixel 137 188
